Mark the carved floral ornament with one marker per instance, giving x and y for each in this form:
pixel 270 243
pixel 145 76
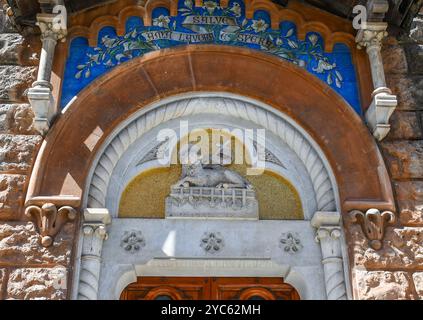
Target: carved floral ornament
pixel 132 241
pixel 50 220
pixel 290 242
pixel 212 242
pixel 373 224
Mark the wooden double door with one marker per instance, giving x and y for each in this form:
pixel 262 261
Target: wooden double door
pixel 209 288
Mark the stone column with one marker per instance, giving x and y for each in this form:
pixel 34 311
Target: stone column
pixel 383 101
pixel 329 236
pixel 40 94
pixel 94 233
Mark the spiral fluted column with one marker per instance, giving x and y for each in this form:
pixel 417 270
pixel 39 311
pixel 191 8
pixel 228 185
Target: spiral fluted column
pixel 94 233
pixel 329 239
pixel 328 234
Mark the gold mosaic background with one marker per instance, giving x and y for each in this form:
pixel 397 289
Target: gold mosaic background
pixel 144 197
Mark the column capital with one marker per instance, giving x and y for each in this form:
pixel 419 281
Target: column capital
pixel 371 35
pixel 95 229
pixel 329 233
pixel 95 222
pixel 51 26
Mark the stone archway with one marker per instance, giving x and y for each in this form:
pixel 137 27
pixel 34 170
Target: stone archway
pixel 61 175
pixel 123 151
pixel 72 147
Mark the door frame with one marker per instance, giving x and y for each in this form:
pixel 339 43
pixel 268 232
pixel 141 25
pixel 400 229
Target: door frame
pixel 210 288
pixel 239 268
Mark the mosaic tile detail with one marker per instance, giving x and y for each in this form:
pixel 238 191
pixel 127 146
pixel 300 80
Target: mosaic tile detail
pixel 209 24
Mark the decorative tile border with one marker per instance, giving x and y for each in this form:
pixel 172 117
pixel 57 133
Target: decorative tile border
pixel 209 24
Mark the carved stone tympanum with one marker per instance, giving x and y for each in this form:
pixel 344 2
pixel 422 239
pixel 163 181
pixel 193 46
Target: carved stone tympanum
pixel 50 220
pixel 211 191
pixel 373 224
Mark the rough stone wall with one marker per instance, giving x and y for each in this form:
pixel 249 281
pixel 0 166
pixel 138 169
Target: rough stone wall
pixel 396 271
pixel 27 269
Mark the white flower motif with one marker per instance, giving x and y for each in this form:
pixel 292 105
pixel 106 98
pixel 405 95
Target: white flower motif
pixel 290 242
pixel 236 9
pixel 313 39
pixel 108 42
pixel 162 21
pixel 259 25
pixel 323 66
pixel 188 3
pixel 292 44
pixel 210 6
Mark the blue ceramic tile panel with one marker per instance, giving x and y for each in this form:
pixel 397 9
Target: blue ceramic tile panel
pixel 210 24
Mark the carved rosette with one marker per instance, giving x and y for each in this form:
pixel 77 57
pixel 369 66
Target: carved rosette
pixel 373 224
pixel 50 220
pixel 212 242
pixel 132 241
pixel 290 242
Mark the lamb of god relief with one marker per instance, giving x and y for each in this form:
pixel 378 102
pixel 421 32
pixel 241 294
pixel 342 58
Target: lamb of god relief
pixel 210 173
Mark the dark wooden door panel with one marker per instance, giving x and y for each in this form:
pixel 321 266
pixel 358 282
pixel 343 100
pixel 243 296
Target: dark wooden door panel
pixel 252 288
pixel 177 288
pixel 209 288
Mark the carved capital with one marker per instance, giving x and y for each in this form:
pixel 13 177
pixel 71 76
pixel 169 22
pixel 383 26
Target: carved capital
pixel 372 35
pixel 50 220
pixel 373 224
pixel 330 233
pixel 51 26
pixel 95 230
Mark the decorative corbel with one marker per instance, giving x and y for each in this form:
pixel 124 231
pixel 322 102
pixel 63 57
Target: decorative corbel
pixel 373 224
pixel 383 101
pixel 50 220
pixel 53 28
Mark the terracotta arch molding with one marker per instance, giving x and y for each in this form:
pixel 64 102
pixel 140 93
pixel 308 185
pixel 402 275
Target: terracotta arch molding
pixel 66 156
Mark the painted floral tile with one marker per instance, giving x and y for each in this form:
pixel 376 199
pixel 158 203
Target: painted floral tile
pixel 209 24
